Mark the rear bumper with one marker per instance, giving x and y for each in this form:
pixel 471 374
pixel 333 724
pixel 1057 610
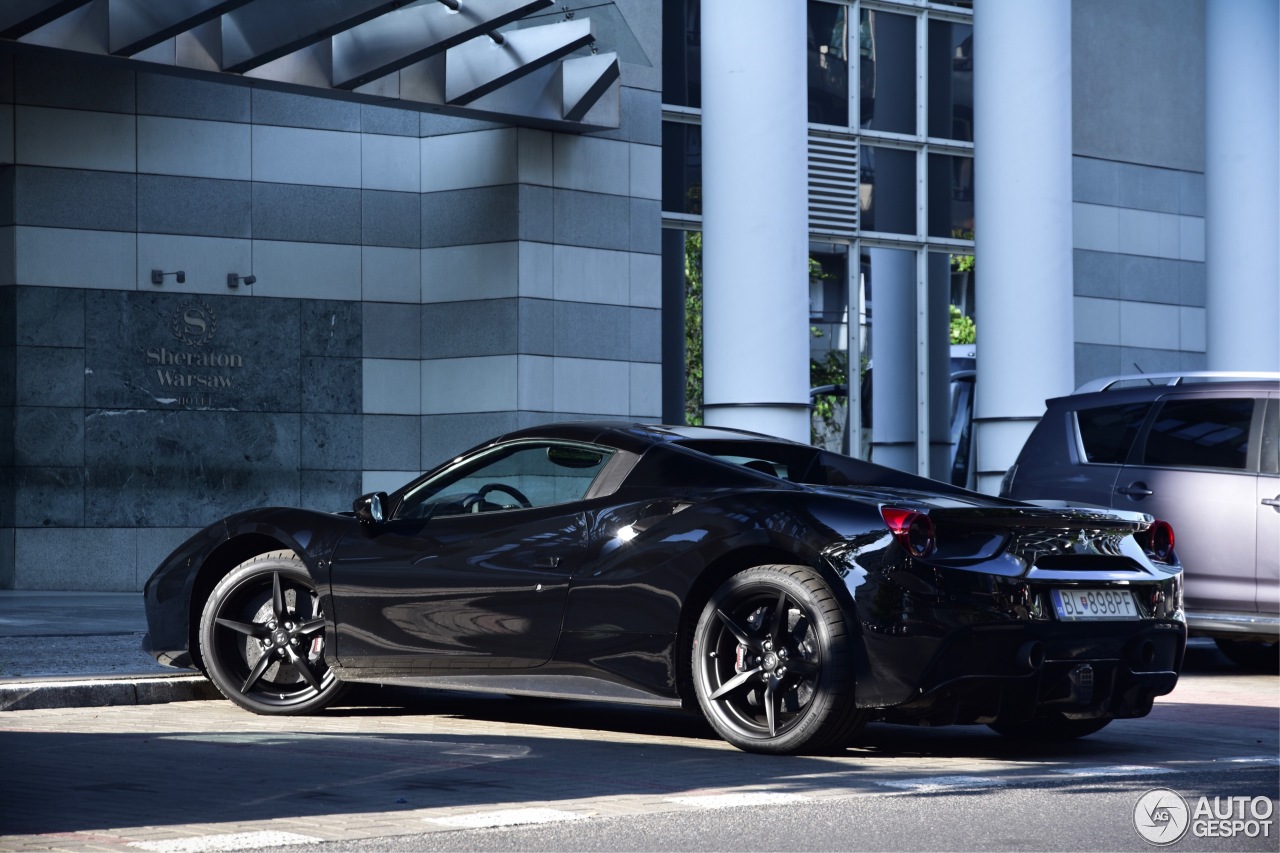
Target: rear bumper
pixel 1013 673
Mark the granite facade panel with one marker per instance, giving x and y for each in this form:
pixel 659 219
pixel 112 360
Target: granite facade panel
pixel 306 214
pixel 48 497
pixel 586 330
pixel 196 206
pixel 51 317
pixel 332 328
pixel 185 97
pixel 103 560
pixel 392 331
pixel 287 109
pixel 332 385
pixel 196 465
pixel 174 351
pixel 462 329
pixel 392 442
pixel 646 335
pixel 462 217
pixel 537 214
pixel 592 220
pixel 75 198
pixel 8 565
pixel 46 436
pixel 390 219
pixel 332 442
pixel 537 327
pixel 328 491
pixel 49 376
pixel 390 121
pixel 646 226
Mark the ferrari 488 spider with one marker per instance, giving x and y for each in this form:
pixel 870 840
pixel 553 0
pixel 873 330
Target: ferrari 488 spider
pixel 789 593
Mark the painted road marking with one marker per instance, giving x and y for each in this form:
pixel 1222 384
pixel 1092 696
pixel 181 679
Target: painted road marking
pixel 235 841
pixel 1114 770
pixel 746 798
pixel 507 817
pixel 941 783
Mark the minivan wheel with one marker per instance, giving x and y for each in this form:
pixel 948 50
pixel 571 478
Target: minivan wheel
pixel 1255 655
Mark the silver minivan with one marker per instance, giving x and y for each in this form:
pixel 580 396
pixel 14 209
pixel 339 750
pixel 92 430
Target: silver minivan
pixel 1199 450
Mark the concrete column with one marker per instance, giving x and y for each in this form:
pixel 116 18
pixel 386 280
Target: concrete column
pixel 755 217
pixel 1022 141
pixel 1242 184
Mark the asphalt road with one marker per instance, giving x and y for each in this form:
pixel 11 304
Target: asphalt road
pixel 434 771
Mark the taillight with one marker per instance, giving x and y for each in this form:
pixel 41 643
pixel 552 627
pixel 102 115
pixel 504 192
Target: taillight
pixel 913 530
pixel 1160 540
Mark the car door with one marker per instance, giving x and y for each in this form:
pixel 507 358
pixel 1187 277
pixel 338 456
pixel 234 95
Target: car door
pixel 472 570
pixel 1269 511
pixel 1195 467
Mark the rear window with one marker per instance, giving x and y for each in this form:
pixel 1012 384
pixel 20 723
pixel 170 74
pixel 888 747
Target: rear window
pixel 1201 434
pixel 1107 433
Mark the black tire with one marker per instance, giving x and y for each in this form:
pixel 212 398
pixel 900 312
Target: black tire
pixel 1050 729
pixel 773 663
pixel 262 638
pixel 1255 656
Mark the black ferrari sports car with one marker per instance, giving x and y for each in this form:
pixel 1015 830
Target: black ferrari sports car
pixel 789 593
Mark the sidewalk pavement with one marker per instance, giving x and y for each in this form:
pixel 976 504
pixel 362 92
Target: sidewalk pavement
pixel 83 649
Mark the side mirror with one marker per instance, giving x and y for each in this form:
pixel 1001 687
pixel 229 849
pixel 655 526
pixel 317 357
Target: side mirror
pixel 369 508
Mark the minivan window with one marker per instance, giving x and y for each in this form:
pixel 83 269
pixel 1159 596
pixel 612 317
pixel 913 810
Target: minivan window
pixel 1201 434
pixel 1107 433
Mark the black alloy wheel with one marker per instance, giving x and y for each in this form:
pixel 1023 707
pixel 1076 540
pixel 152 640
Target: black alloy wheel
pixel 262 638
pixel 773 663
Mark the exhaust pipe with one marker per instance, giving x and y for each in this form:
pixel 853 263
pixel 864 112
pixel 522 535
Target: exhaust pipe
pixel 1030 656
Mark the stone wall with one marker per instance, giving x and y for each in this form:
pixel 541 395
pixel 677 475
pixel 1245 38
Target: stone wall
pixel 423 283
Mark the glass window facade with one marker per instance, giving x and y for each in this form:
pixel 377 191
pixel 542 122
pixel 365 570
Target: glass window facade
pixel 890 110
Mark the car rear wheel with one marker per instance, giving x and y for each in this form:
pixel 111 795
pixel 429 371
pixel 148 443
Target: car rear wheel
pixel 1255 656
pixel 262 638
pixel 1050 729
pixel 773 663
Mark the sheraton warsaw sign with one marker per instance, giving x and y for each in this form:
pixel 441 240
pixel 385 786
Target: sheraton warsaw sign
pixel 193 371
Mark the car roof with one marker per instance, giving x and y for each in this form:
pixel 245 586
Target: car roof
pixel 1212 378
pixel 635 437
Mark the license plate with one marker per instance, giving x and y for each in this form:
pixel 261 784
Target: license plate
pixel 1075 605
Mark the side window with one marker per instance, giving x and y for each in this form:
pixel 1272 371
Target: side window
pixel 513 476
pixel 1200 434
pixel 1107 433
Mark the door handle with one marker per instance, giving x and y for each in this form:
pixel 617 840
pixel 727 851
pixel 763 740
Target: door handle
pixel 1274 502
pixel 1136 490
pixel 547 563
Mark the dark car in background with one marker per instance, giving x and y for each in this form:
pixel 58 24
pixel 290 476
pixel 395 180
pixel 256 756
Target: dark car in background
pixel 789 593
pixel 1199 450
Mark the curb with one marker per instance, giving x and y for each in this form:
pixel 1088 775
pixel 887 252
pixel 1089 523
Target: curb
pixel 101 692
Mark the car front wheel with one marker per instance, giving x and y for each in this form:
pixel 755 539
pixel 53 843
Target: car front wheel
pixel 773 663
pixel 262 638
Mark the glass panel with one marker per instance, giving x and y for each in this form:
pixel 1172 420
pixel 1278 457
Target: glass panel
pixel 1200 434
pixel 828 64
pixel 829 341
pixel 887 62
pixel 681 167
pixel 682 58
pixel 1107 433
pixel 511 477
pixel 950 196
pixel 951 80
pixel 888 191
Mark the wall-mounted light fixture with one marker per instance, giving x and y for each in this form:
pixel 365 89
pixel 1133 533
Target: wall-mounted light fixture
pixel 234 280
pixel 157 276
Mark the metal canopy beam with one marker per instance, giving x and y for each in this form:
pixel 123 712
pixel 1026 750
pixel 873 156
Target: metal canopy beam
pixel 585 80
pixel 265 30
pixel 19 17
pixel 136 25
pixel 405 36
pixel 481 66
